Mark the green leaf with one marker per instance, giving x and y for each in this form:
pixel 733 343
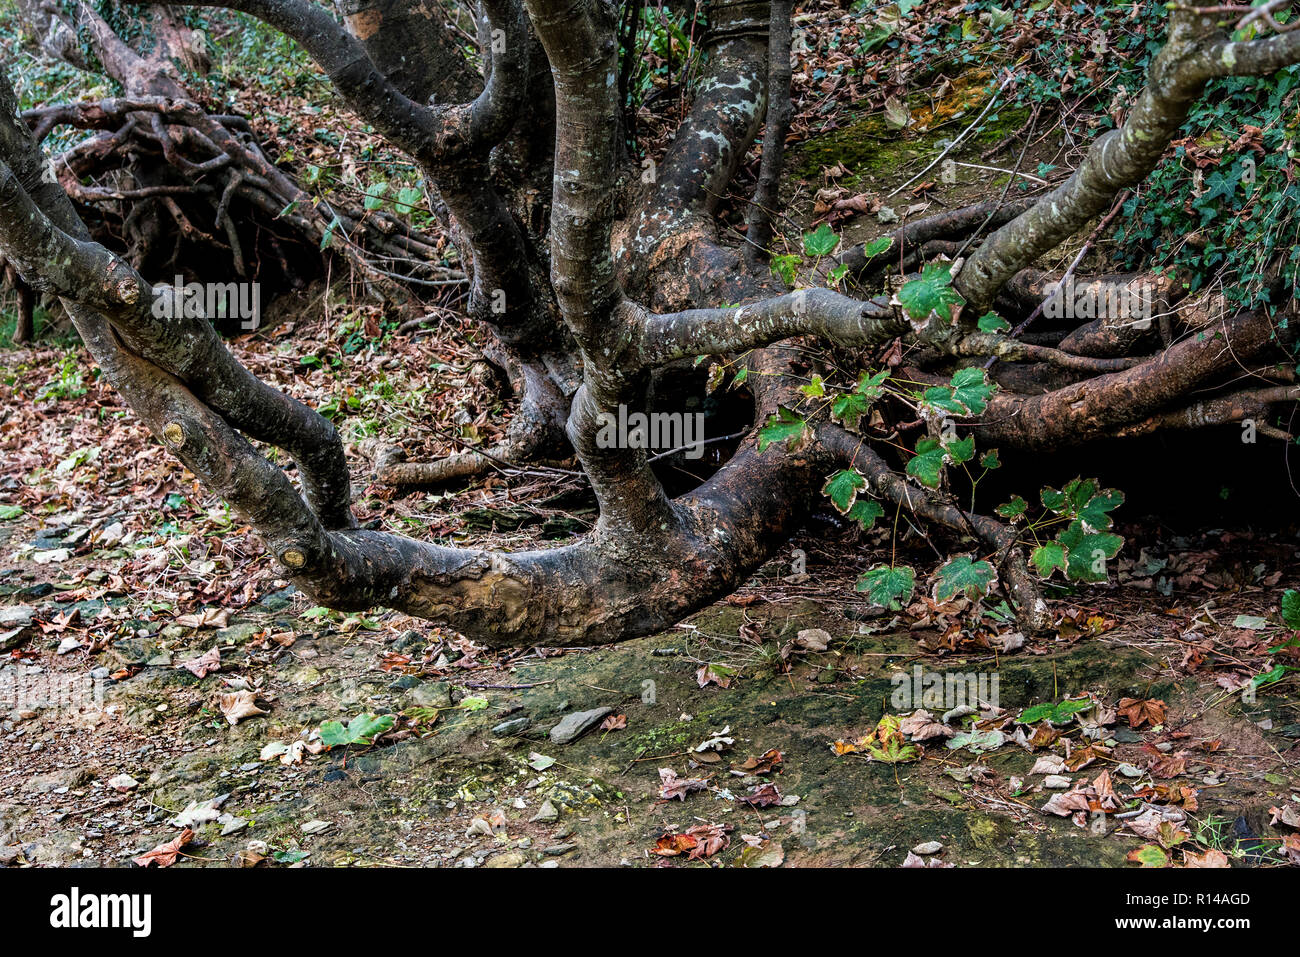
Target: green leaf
pixel 927 465
pixel 1149 855
pixel 1086 552
pixel 9 512
pixel 888 585
pixel 865 512
pixel 932 292
pixel 1055 713
pixel 838 273
pixel 375 195
pixel 842 489
pixel 1094 514
pixel 1047 558
pixel 409 199
pixel 786 266
pixel 991 460
pixel 1290 601
pixel 971 388
pixel 328 236
pixel 961 450
pixel 782 426
pixel 967 394
pixel 992 322
pixel 821 241
pixel 473 704
pixel 961 576
pixel 815 389
pixel 1014 508
pixel 848 408
pixel 877 246
pixel 363 729
pixel 894 749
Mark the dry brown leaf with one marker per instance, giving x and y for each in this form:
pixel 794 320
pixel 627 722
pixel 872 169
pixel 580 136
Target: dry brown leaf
pixel 1211 858
pixel 239 705
pixel 204 664
pixel 164 855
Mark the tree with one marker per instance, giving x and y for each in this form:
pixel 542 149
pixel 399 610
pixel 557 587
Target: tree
pixel 613 273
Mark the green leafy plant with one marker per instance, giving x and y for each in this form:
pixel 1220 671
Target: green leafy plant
pixel 363 729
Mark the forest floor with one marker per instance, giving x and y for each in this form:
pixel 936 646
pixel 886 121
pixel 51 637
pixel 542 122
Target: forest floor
pixel 117 571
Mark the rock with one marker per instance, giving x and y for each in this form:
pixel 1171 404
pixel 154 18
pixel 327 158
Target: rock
pixel 513 726
pixel 238 633
pixel 929 847
pixel 431 694
pixel 69 643
pixel 16 616
pixel 15 625
pixel 573 726
pixel 123 783
pixel 508 859
pixel 68 779
pixel 545 813
pixel 555 850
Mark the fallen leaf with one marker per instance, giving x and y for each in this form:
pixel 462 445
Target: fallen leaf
pixel 1139 712
pixel 239 705
pixel 204 664
pixel 164 855
pixel 1211 858
pixel 672 786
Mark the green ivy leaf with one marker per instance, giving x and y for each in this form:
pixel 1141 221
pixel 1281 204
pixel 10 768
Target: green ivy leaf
pixel 8 512
pixel 815 389
pixel 782 426
pixel 877 246
pixel 363 729
pixel 888 585
pixel 1014 508
pixel 1055 712
pixel 1086 552
pixel 375 195
pixel 865 512
pixel 990 460
pixel 1290 603
pixel 786 266
pixel 842 489
pixel 932 292
pixel 992 322
pixel 961 450
pixel 965 577
pixel 927 465
pixel 821 241
pixel 1047 558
